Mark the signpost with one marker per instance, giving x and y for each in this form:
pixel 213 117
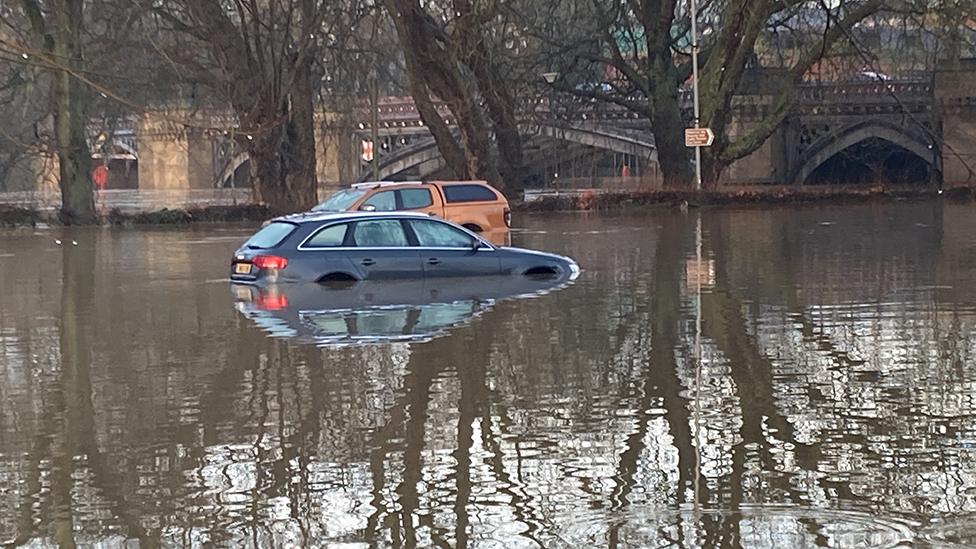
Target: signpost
pixel 699 137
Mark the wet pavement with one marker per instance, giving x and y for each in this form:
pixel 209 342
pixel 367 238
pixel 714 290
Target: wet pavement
pixel 144 402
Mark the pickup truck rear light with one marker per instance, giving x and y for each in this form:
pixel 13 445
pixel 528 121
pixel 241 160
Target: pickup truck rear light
pixel 270 262
pixel 508 217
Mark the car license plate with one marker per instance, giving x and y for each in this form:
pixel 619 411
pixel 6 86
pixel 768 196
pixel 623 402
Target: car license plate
pixel 242 268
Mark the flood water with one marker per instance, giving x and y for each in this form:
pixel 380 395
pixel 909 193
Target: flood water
pixel 834 404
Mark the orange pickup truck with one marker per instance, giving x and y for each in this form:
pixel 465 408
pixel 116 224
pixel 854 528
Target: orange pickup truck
pixel 471 204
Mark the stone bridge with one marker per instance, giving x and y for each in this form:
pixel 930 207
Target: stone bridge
pixel 927 127
pixel 903 117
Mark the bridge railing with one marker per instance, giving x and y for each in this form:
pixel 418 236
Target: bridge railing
pixel 866 91
pixel 397 112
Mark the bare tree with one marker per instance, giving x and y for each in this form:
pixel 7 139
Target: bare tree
pixel 642 48
pixel 451 56
pixel 57 27
pixel 260 57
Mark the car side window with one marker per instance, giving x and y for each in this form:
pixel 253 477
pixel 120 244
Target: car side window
pixel 414 199
pixel 468 193
pixel 383 201
pixel 329 237
pixel 434 234
pixel 381 233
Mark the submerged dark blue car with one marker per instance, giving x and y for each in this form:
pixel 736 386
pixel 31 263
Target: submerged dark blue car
pixel 354 246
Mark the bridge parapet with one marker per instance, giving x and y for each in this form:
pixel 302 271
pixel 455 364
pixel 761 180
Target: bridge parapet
pixel 874 93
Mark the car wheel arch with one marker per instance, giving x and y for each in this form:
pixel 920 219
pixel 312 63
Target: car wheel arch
pixel 337 276
pixel 541 270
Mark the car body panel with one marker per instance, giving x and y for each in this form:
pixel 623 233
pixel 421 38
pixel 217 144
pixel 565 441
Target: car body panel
pixel 459 262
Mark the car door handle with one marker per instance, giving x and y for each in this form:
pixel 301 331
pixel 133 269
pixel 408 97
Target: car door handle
pixel 368 262
pixel 433 261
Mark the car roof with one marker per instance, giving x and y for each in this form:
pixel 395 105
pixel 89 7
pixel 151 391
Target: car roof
pixel 368 185
pixel 379 184
pixel 318 217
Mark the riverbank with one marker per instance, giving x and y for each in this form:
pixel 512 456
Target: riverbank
pixel 739 197
pixel 18 216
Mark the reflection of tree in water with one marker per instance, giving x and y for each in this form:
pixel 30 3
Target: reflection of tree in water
pixel 822 387
pixel 67 463
pixel 884 373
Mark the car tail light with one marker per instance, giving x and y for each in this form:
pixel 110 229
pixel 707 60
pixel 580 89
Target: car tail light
pixel 508 217
pixel 270 262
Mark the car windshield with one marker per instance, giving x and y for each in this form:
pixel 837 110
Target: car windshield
pixel 270 236
pixel 340 201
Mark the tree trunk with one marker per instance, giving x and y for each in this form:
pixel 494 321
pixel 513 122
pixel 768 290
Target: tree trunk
pixel 434 68
pixel 712 167
pixel 70 116
pixel 672 155
pixel 74 158
pixel 666 123
pixel 283 152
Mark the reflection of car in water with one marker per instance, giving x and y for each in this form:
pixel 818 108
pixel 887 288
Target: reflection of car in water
pixel 369 312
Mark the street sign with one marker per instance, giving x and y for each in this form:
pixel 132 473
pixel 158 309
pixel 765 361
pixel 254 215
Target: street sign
pixel 699 137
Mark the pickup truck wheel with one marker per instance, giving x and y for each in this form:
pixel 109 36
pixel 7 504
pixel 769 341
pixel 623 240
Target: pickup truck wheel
pixel 472 227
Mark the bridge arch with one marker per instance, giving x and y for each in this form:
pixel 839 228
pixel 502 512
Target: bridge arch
pixel 230 170
pixel 127 146
pixel 426 151
pixel 830 146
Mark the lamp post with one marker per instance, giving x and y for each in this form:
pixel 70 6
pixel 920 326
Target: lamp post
pixel 550 78
pixel 374 122
pixel 694 72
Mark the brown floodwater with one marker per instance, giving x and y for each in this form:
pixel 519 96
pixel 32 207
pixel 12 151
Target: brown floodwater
pixel 144 403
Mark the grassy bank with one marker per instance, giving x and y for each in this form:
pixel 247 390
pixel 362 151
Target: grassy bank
pixel 590 201
pixel 14 216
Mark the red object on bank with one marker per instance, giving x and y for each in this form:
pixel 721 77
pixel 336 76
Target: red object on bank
pixel 99 176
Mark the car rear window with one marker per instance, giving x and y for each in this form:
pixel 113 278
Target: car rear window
pixel 469 193
pixel 270 236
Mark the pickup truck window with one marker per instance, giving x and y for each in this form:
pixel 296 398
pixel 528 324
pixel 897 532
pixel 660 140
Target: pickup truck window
pixel 468 193
pixel 340 201
pixel 414 199
pixel 383 201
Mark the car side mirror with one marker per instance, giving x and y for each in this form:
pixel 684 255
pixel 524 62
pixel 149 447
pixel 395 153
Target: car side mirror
pixel 475 245
pixel 367 208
